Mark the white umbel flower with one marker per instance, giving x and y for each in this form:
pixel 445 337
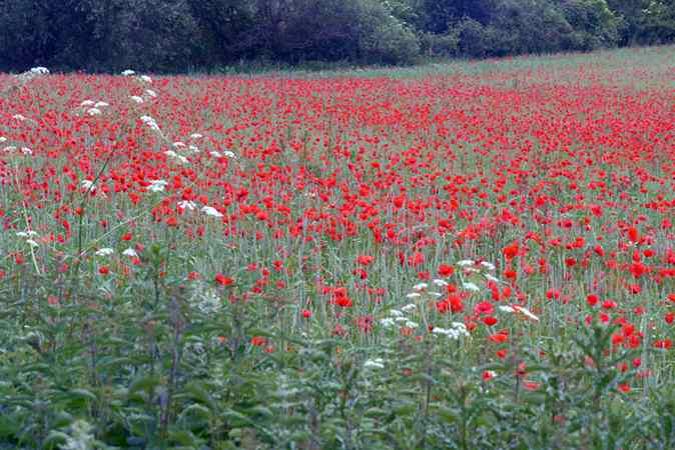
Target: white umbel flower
pixel 470 287
pixel 26 234
pixel 420 287
pixel 488 265
pixel 211 211
pixel 157 185
pixel 376 363
pixel 136 99
pixel 187 204
pixel 87 184
pixel 39 71
pixel 130 252
pixel 94 112
pixel 492 278
pixel 107 251
pixel 128 73
pixel 410 307
pixel 387 322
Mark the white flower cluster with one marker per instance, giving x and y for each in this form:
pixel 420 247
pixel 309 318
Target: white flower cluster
pixel 157 185
pixel 39 71
pixel 421 289
pixel 150 123
pixel 456 330
pixel 177 157
pixel 398 318
pixel 104 252
pixel 482 268
pixel 28 236
pixel 206 299
pixel 375 363
pixel 519 310
pixel 92 108
pixel 225 153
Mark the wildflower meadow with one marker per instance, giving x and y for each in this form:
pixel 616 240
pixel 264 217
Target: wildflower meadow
pixel 469 255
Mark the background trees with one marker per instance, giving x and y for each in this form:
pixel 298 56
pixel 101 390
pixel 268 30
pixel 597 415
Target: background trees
pixel 177 35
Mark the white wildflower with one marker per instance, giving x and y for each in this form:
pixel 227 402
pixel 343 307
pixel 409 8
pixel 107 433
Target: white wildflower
pixel 145 79
pixel 440 283
pixel 461 328
pixel 395 313
pixel 526 312
pixel 19 117
pixel 377 363
pixel 187 204
pixel 216 154
pixel 26 234
pixel 32 243
pixel 229 154
pixel 414 295
pixel 130 252
pixel 466 262
pixel 488 265
pixel 211 211
pixel 409 307
pixel 26 151
pixel 420 287
pixel 3 139
pixel 151 93
pixel 435 294
pixel 506 309
pixel 150 122
pixel 492 278
pixel 9 149
pixel 107 251
pixel 157 185
pixel 180 158
pixel 179 144
pixel 196 136
pixel 94 112
pixel 137 99
pixel 87 185
pixel 128 73
pixel 387 322
pixel 401 319
pixel 193 148
pixel 40 71
pixel 101 104
pixel 411 324
pixel 87 103
pixel 470 287
pixel 439 330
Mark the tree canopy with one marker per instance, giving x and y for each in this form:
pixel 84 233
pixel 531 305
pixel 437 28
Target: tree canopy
pixel 177 35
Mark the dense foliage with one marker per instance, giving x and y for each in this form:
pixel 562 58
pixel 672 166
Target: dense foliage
pixel 179 35
pixel 478 257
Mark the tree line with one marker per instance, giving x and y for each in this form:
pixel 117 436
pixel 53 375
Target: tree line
pixel 180 35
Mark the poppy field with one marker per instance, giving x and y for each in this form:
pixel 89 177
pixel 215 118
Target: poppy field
pixel 471 255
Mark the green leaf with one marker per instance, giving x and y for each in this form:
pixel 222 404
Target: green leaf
pixel 145 383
